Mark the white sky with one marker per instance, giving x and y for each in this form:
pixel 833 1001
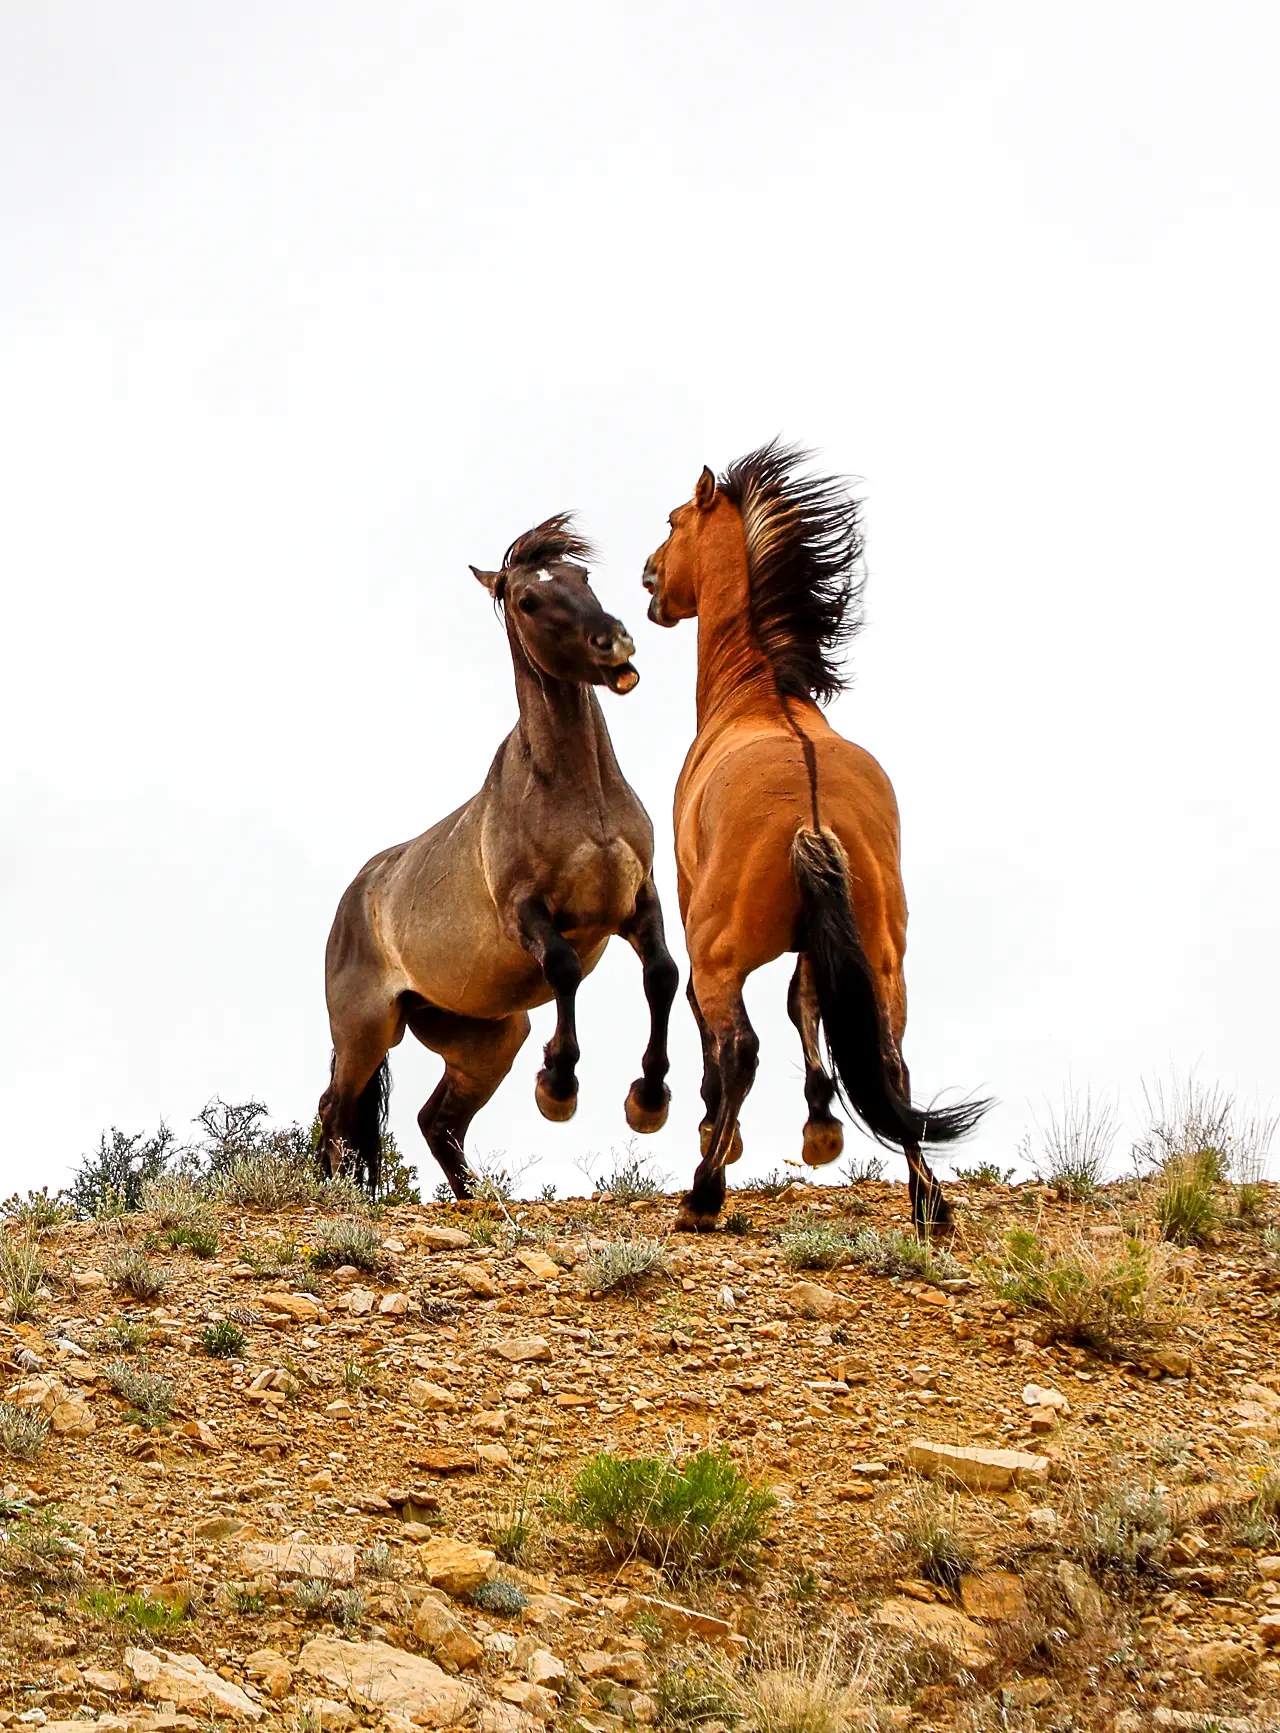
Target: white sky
pixel 303 307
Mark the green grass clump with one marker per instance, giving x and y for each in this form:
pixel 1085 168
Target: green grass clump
pixel 131 1272
pixel 349 1242
pixel 224 1341
pixel 23 1431
pixel 150 1397
pixel 894 1253
pixel 1100 1296
pixel 623 1264
pixel 200 1241
pixel 157 1617
pixel 985 1174
pixel 809 1243
pixel 1074 1146
pixel 123 1336
pixel 700 1515
pixel 930 1536
pixel 694 1690
pixel 174 1199
pixel 1185 1206
pixel 631 1180
pixel 21 1275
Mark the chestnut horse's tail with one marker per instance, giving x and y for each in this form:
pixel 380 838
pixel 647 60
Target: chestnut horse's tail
pixel 861 1045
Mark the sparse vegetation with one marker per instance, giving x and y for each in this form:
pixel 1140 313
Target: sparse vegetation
pixel 349 1242
pixel 1126 1533
pixel 1185 1207
pixel 23 1432
pixel 175 1200
pixel 39 1212
pixel 862 1169
pixel 130 1271
pixel 1073 1148
pixel 21 1275
pixel 775 1182
pixel 347 1608
pixel 695 1690
pixel 123 1336
pixel 809 1243
pixel 378 1561
pixel 505 1599
pixel 932 1539
pixel 1101 1294
pixel 224 1341
pixel 150 1397
pixel 623 1264
pixel 200 1241
pixel 158 1618
pixel 737 1221
pixel 987 1173
pixel 631 1179
pixel 700 1515
pixel 894 1253
pixel 41 1548
pixel 264 1179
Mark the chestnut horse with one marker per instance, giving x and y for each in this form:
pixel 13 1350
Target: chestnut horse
pixel 786 833
pixel 510 900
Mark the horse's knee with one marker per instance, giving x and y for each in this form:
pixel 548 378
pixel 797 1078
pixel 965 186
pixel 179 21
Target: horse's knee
pixel 661 979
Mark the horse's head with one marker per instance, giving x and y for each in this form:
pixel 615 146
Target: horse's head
pixel 670 572
pixel 553 612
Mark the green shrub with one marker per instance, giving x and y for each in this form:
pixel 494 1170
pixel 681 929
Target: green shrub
pixel 624 1264
pixel 737 1222
pixel 862 1169
pixel 505 1599
pixel 110 1182
pixel 23 1431
pixel 224 1341
pixel 1087 1292
pixel 266 1179
pixel 985 1174
pixel 699 1515
pixel 1185 1206
pixel 894 1253
pixel 631 1180
pixel 123 1336
pixel 200 1241
pixel 349 1242
pixel 159 1618
pixel 174 1199
pixel 150 1397
pixel 131 1271
pixel 21 1274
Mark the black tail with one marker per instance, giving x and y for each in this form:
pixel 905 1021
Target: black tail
pixel 859 1040
pixel 370 1126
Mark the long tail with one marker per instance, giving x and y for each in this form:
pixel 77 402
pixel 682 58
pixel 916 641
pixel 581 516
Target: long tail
pixel 858 1036
pixel 370 1126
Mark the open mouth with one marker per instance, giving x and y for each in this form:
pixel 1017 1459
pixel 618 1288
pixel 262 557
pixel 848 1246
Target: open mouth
pixel 620 678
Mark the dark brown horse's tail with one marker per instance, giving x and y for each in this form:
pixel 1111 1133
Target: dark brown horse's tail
pixel 859 1040
pixel 369 1127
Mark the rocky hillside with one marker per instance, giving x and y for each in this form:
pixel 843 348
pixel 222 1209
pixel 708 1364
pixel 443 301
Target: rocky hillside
pixel 316 1471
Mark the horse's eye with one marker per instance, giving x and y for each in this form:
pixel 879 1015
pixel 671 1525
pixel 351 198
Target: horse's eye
pixel 528 604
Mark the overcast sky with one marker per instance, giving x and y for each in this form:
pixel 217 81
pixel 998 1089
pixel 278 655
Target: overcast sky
pixel 305 306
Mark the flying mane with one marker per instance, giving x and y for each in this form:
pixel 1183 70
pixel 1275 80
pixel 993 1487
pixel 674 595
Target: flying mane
pixel 803 545
pixel 554 539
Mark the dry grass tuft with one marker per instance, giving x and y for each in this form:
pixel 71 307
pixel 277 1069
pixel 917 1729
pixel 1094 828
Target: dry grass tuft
pixel 1104 1294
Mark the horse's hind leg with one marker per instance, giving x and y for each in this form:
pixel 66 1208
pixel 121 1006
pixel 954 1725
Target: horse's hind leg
pixel 649 1097
pixel 557 1087
pixel 930 1210
pixel 478 1054
pixel 710 1084
pixel 736 1049
pixel 351 1108
pixel 823 1132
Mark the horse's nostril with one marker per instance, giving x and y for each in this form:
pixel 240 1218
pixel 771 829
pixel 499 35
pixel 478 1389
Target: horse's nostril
pixel 602 640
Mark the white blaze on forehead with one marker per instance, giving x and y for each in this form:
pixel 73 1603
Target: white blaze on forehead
pixel 544 577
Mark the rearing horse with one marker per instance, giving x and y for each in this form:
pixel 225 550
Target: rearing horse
pixel 786 833
pixel 510 900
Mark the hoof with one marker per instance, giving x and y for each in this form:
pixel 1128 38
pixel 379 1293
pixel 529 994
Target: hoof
pixel 823 1142
pixel 735 1144
pixel 552 1107
pixel 642 1118
pixel 692 1221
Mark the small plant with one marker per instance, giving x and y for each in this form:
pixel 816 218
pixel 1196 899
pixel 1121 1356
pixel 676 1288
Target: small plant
pixel 22 1275
pixel 131 1271
pixel 547 1193
pixel 174 1199
pixel 1099 1296
pixel 224 1341
pixel 699 1515
pixel 809 1243
pixel 157 1617
pixel 263 1179
pixel 503 1598
pixel 631 1179
pixel 775 1182
pixel 1185 1206
pixel 41 1548
pixel 307 1282
pixel 150 1397
pixel 985 1174
pixel 123 1336
pixel 312 1595
pixel 247 1599
pixel 803 1586
pixel 695 1690
pixel 379 1561
pixel 23 1431
pixel 110 1181
pixel 930 1536
pixel 894 1253
pixel 38 1212
pixel 737 1222
pixel 624 1264
pixel 1127 1532
pixel 349 1242
pixel 201 1242
pixel 354 1376
pixel 1074 1145
pixel 347 1608
pixel 862 1169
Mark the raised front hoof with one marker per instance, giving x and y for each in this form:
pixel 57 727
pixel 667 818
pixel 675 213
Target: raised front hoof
pixel 735 1146
pixel 552 1106
pixel 642 1118
pixel 692 1220
pixel 823 1142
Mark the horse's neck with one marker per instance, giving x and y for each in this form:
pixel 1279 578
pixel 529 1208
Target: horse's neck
pixel 559 725
pixel 734 676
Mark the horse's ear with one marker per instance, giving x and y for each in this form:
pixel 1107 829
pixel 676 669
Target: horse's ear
pixel 488 579
pixel 705 491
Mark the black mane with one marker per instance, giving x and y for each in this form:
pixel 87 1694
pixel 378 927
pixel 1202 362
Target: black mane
pixel 803 544
pixel 555 539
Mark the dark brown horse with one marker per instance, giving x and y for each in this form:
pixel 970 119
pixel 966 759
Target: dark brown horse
pixel 510 900
pixel 786 834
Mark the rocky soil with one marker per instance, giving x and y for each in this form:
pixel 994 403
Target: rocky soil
pixel 319 1513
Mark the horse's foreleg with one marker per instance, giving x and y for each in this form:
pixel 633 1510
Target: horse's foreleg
pixel 736 1049
pixel 478 1054
pixel 557 1087
pixel 823 1132
pixel 649 1097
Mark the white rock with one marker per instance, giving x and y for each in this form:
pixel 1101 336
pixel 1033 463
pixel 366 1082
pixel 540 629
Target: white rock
pixel 377 1676
pixel 185 1681
pixel 1038 1396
